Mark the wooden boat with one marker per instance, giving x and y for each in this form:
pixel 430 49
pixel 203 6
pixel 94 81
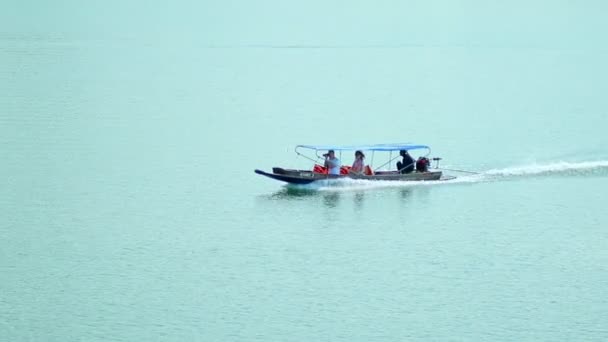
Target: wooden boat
pixel 318 172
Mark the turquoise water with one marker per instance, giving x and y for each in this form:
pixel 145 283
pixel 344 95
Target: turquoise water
pixel 130 210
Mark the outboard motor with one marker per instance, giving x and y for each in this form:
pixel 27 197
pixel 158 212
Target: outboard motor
pixel 423 164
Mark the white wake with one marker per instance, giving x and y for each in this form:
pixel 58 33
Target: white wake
pixel 562 168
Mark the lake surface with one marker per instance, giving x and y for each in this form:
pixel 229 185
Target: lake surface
pixel 130 210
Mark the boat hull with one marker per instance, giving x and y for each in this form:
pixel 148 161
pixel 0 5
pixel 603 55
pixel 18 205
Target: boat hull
pixel 306 176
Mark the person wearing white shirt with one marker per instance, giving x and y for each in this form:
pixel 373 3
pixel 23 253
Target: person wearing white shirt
pixel 332 163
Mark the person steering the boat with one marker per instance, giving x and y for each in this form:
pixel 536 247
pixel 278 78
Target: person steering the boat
pixel 332 163
pixel 407 165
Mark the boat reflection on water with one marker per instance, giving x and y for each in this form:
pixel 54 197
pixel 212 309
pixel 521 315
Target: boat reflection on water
pixel 359 197
pixel 406 193
pixel 331 199
pixel 290 193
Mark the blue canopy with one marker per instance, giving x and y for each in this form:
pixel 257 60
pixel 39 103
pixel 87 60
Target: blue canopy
pixel 374 147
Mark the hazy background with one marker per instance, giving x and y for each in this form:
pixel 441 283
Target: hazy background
pixel 129 209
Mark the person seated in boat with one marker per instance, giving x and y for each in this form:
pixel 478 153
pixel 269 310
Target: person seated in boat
pixel 358 163
pixel 407 165
pixel 423 164
pixel 332 163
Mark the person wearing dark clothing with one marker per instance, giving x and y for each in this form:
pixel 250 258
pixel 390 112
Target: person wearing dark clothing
pixel 407 165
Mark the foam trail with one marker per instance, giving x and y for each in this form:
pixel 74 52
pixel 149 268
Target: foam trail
pixel 554 168
pixel 551 168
